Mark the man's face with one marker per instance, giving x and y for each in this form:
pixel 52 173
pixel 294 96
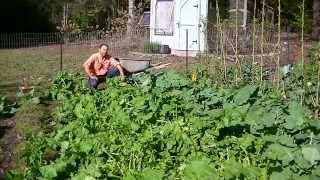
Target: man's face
pixel 103 50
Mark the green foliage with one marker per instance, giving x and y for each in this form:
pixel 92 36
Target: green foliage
pixel 65 84
pixel 315 54
pixel 298 84
pixel 200 169
pixel 98 15
pixel 291 14
pixel 165 126
pixel 7 108
pixel 306 21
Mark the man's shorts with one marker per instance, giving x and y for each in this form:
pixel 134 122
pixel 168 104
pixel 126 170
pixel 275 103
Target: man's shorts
pixel 112 72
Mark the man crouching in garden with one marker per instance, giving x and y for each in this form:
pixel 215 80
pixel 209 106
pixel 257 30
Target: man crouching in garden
pixel 101 66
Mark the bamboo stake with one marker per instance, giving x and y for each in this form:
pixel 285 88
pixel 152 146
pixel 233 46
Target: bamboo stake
pixel 221 41
pixel 236 50
pixel 218 22
pixel 224 55
pixel 278 44
pixel 302 51
pixel 224 50
pixel 254 33
pixel 262 41
pixel 218 29
pixel 317 91
pixel 302 35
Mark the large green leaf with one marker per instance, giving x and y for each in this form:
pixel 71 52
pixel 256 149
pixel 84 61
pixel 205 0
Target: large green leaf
pixel 286 140
pixel 311 154
pixel 279 152
pixel 316 171
pixel 296 116
pixel 254 114
pixel 199 169
pixel 51 171
pixel 7 108
pixel 242 96
pixel 146 174
pixel 267 119
pixel 301 161
pixel 286 174
pixel 232 169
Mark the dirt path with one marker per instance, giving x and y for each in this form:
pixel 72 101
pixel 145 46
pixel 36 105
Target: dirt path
pixel 8 139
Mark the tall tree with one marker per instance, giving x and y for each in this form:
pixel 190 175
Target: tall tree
pixel 316 20
pixel 131 8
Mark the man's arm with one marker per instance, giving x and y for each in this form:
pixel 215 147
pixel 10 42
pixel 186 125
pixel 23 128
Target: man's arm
pixel 121 71
pixel 119 67
pixel 87 65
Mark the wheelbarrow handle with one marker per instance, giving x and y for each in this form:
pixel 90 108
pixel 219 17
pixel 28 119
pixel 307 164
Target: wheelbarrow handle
pixel 132 59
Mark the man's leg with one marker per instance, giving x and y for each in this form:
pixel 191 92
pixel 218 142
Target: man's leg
pixel 93 83
pixel 112 72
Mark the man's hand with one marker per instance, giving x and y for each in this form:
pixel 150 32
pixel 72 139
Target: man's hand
pixel 94 77
pixel 122 77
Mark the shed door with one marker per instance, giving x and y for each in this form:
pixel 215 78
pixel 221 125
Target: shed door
pixel 189 19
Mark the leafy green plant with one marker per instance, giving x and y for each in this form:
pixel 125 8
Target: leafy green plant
pixel 7 108
pixel 315 54
pixel 65 84
pixel 166 126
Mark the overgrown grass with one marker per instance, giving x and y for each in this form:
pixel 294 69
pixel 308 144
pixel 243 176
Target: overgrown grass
pixel 150 47
pixel 37 66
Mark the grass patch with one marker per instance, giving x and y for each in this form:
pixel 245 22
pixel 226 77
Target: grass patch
pixel 150 47
pixel 37 66
pixel 28 119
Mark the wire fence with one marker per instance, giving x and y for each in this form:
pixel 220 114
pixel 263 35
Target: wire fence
pixel 37 57
pixel 83 39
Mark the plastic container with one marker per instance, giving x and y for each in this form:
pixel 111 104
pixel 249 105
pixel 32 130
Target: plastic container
pixel 165 49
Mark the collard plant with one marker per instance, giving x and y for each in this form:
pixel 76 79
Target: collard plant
pixel 167 126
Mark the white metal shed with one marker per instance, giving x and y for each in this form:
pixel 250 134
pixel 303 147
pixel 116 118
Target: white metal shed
pixel 169 20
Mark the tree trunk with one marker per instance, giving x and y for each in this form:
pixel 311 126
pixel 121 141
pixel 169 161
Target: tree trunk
pixel 130 17
pixel 316 20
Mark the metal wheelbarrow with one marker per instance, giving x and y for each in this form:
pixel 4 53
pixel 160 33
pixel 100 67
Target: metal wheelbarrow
pixel 134 65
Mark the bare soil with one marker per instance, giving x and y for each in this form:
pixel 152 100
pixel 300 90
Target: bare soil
pixel 8 138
